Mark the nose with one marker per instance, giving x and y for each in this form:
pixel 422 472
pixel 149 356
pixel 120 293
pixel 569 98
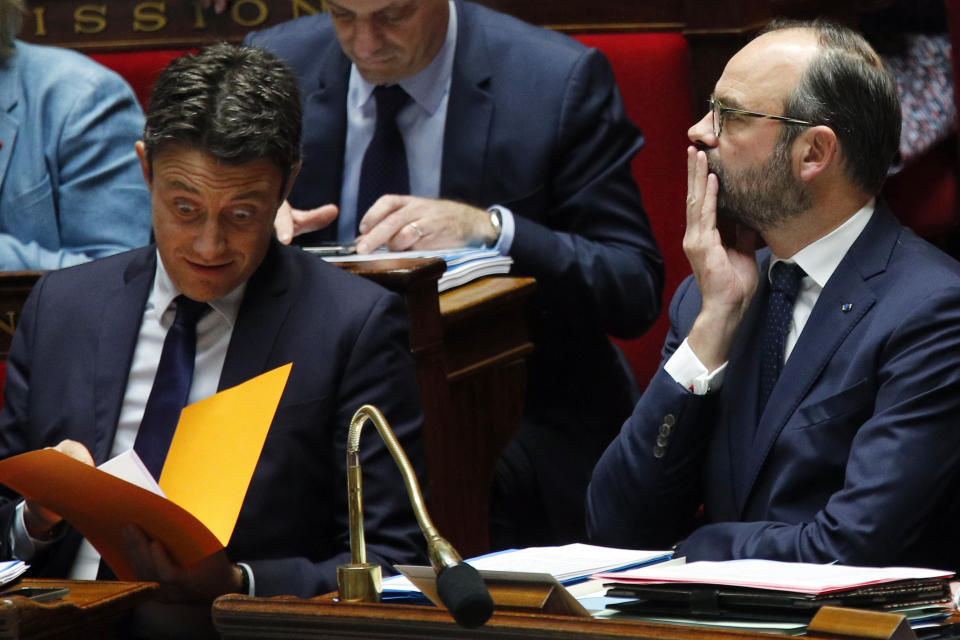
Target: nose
pixel 210 240
pixel 701 133
pixel 366 40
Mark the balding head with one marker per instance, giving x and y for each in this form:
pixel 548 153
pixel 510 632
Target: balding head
pixel 845 87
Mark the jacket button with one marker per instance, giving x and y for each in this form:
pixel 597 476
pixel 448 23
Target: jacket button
pixel 658 451
pixel 662 441
pixel 669 419
pixel 664 429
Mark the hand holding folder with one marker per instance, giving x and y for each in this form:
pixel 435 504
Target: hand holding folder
pixel 205 478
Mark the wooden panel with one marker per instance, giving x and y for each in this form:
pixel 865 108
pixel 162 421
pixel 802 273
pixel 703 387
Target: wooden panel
pixel 286 617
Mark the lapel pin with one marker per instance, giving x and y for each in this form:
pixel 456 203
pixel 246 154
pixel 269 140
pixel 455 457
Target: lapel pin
pixel 847 306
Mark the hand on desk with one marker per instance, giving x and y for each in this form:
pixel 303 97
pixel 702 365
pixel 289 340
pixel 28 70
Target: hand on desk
pixel 292 222
pixel 40 521
pixel 726 275
pixel 213 576
pixel 411 222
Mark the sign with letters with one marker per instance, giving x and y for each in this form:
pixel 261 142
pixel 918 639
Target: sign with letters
pixel 117 24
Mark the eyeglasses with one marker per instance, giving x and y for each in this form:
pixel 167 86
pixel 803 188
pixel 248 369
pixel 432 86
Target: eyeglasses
pixel 718 111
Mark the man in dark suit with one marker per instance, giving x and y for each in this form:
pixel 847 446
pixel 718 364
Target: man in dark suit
pixel 515 138
pixel 221 146
pixel 851 453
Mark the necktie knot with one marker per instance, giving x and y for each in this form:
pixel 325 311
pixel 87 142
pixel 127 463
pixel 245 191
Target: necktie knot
pixel 786 277
pixel 390 100
pixel 189 311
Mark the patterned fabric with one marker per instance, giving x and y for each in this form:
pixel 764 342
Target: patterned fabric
pixel 925 83
pixel 784 285
pixel 384 169
pixel 171 386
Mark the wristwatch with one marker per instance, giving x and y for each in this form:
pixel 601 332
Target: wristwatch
pixel 496 219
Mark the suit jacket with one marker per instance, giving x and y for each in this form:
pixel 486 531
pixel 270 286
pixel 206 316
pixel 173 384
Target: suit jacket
pixel 534 123
pixel 71 188
pixel 856 455
pixel 348 341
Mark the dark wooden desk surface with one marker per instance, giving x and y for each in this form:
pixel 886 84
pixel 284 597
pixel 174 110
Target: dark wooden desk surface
pixel 286 617
pixel 90 610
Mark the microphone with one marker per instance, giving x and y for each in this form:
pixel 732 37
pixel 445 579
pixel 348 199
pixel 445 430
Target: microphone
pixel 460 586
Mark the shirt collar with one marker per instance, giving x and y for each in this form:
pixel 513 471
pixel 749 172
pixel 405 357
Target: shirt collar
pixel 821 258
pixel 164 292
pixel 428 87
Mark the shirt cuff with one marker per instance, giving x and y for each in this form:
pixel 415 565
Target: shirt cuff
pixel 24 546
pixel 252 591
pixel 686 369
pixel 507 229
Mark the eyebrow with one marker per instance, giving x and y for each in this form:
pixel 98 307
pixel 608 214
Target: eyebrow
pixel 733 103
pixel 252 194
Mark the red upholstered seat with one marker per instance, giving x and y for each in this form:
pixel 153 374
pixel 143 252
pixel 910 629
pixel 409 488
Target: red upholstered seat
pixel 653 76
pixel 139 68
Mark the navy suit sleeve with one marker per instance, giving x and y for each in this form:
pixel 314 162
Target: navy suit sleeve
pixel 641 499
pixel 901 462
pixel 593 250
pixel 16 436
pixel 379 372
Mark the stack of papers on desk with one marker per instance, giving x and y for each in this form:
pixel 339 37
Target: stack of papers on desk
pixel 568 563
pixel 768 590
pixel 463 265
pixel 10 570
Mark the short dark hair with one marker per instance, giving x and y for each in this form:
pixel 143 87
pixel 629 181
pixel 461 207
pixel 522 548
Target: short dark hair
pixel 239 104
pixel 11 19
pixel 847 88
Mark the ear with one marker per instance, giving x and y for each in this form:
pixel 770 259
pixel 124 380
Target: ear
pixel 815 151
pixel 144 165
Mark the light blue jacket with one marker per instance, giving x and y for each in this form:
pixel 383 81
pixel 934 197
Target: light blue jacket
pixel 71 188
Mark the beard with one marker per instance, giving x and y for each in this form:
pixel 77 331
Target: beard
pixel 760 198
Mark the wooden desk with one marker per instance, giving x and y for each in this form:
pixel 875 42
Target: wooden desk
pixel 469 345
pixel 90 610
pixel 286 617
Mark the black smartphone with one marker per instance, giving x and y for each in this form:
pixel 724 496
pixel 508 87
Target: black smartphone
pixel 38 594
pixel 333 249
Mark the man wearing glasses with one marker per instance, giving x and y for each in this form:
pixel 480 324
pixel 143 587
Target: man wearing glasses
pixel 807 407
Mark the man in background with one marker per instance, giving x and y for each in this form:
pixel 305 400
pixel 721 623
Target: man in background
pixel 806 409
pixel 70 184
pixel 89 373
pixel 437 124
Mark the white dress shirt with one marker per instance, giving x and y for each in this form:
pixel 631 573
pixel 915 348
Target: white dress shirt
pixel 819 260
pixel 213 337
pixel 422 124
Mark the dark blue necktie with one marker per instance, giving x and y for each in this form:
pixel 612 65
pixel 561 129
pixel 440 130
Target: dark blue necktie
pixel 171 386
pixel 784 285
pixel 384 168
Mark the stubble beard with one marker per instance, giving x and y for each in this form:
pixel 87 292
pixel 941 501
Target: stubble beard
pixel 760 198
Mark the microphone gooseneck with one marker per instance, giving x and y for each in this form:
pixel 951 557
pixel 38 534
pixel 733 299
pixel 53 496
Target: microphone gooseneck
pixel 459 585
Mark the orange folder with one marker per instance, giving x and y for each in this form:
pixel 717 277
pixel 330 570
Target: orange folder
pixel 205 477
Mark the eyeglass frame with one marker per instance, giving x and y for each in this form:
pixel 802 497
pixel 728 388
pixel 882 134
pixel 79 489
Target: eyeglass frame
pixel 717 111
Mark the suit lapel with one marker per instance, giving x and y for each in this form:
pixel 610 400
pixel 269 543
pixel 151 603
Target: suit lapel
pixel 324 134
pixel 9 97
pixel 469 111
pixel 119 327
pixel 823 335
pixel 738 420
pixel 265 306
